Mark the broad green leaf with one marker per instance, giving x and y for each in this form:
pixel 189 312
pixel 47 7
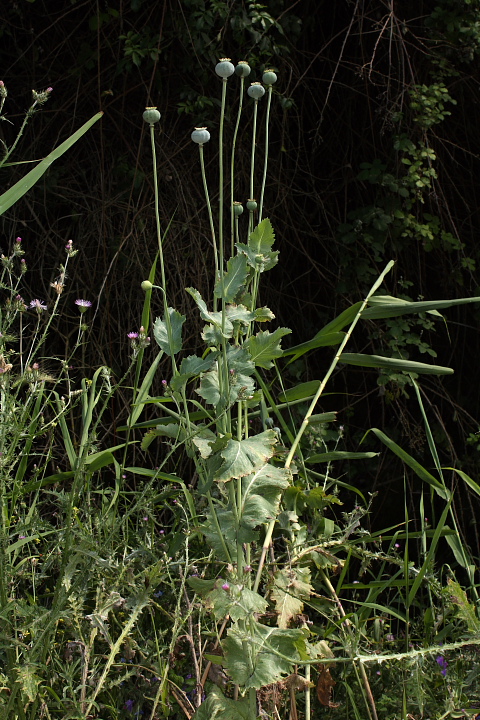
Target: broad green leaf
pixel 209 390
pixel 264 314
pixel 204 440
pixel 259 248
pixel 215 318
pixel 261 492
pixel 242 457
pixel 422 473
pixel 13 194
pixel 239 360
pixel 218 707
pixel 161 335
pixel 340 455
pixel 272 650
pixel 190 367
pixel 300 392
pixel 388 307
pixel 238 601
pixel 233 279
pixel 291 586
pixel 377 361
pixel 222 536
pixel 170 430
pixel 200 586
pixel 323 340
pixel 265 346
pixel 240 314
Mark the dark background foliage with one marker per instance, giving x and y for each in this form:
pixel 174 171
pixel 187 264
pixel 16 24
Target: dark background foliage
pixel 374 155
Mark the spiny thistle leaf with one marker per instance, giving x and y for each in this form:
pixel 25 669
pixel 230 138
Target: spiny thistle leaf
pixel 265 346
pixel 161 335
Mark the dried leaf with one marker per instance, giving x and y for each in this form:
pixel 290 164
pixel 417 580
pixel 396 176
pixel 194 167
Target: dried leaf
pixel 325 686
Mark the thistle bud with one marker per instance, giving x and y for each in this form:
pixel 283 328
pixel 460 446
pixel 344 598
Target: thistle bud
pixel 200 135
pixel 269 77
pixel 3 90
pixel 151 115
pixel 224 68
pixel 243 69
pixel 256 91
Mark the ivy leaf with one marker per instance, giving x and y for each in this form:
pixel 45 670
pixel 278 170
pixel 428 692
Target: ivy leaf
pixel 265 346
pixel 233 279
pixel 291 588
pixel 161 336
pixel 261 494
pixel 238 601
pixel 218 707
pixel 242 457
pixel 264 643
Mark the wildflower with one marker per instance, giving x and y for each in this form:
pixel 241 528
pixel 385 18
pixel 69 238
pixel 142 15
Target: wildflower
pixel 70 250
pixel 443 664
pixel 37 305
pixel 389 637
pixel 3 90
pixel 225 586
pixel 129 705
pixel 83 305
pixel 132 335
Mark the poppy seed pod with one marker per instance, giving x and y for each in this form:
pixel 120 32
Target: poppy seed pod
pixel 269 77
pixel 200 135
pixel 251 204
pixel 224 68
pixel 151 115
pixel 256 91
pixel 243 69
pixel 237 208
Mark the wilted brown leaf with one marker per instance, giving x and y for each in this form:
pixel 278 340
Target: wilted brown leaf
pixel 325 686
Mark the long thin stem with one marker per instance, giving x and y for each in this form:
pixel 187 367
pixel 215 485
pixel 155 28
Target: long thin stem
pixel 265 163
pixel 232 167
pixel 209 207
pixel 252 162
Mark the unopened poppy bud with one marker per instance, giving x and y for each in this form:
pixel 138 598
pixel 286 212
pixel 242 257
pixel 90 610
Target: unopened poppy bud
pixel 146 285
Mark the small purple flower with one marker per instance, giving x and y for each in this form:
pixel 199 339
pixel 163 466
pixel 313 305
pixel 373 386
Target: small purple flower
pixel 443 664
pixel 225 586
pixel 18 240
pixel 37 305
pixel 83 305
pixel 129 705
pixel 132 335
pixel 389 637
pixel 22 537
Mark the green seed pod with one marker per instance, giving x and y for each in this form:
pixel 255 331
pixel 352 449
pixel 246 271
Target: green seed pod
pixel 237 209
pixel 151 115
pixel 251 204
pixel 200 135
pixel 146 285
pixel 224 68
pixel 243 69
pixel 269 77
pixel 256 90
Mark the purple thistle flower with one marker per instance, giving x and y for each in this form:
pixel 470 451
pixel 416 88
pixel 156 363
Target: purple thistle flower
pixel 225 586
pixel 132 335
pixel 443 664
pixel 83 305
pixel 37 305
